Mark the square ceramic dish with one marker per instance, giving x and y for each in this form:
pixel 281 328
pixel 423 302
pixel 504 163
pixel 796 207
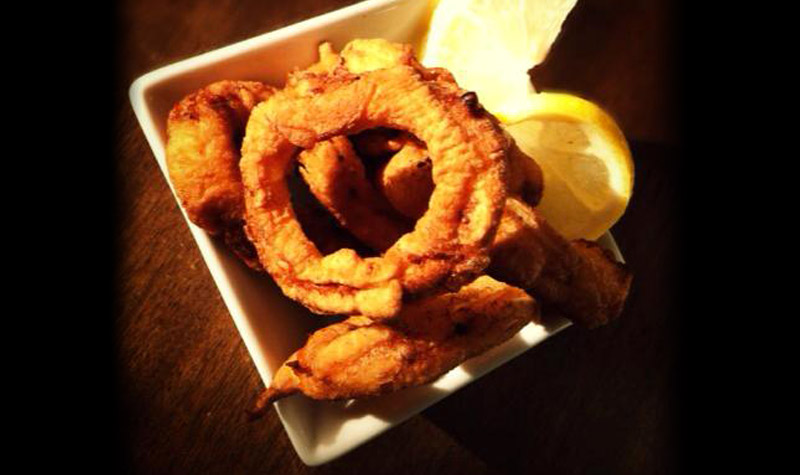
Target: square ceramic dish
pixel 271 325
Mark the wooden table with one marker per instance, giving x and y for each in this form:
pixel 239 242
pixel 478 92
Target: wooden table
pixel 583 402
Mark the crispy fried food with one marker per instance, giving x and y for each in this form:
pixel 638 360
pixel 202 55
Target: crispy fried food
pixel 371 54
pixel 578 279
pixel 361 357
pixel 411 162
pixel 405 179
pixel 358 56
pixel 449 245
pixel 204 133
pixel 340 184
pixel 328 61
pixel 446 165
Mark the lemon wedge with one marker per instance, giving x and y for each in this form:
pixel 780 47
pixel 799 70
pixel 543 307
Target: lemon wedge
pixel 587 165
pixel 489 46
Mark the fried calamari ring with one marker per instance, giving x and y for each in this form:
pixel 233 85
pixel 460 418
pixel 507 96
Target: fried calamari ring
pixel 405 180
pixel 360 357
pixel 204 134
pixel 449 244
pixel 341 183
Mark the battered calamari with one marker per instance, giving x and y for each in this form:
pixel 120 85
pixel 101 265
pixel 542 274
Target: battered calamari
pixel 442 192
pixel 410 166
pixel 578 279
pixel 204 134
pixel 449 244
pixel 406 179
pixel 361 357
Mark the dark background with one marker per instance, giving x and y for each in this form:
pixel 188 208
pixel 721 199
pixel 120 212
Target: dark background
pixel 602 401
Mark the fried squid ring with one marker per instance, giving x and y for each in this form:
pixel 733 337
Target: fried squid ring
pixel 449 244
pixel 341 185
pixel 204 134
pixel 405 180
pixel 360 357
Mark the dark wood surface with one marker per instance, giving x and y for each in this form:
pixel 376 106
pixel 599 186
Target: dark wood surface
pixel 596 401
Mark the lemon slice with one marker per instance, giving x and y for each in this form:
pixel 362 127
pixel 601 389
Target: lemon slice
pixel 489 46
pixel 587 166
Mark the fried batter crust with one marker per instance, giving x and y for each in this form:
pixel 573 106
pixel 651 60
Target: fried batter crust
pixel 204 134
pixel 405 179
pixel 361 357
pixel 578 278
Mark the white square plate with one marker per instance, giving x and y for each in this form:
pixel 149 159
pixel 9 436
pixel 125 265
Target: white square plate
pixel 271 325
